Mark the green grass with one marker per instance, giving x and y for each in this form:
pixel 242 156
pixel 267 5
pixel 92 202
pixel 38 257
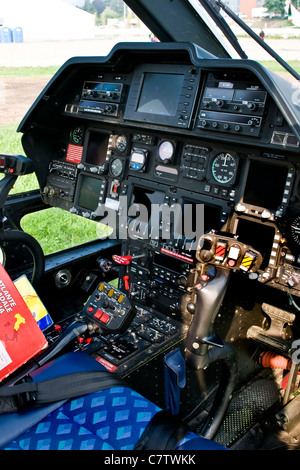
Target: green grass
pixel 56 229
pixel 10 139
pixel 276 67
pixel 28 71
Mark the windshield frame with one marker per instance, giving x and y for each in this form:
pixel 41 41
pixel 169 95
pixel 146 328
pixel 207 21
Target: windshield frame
pixel 162 18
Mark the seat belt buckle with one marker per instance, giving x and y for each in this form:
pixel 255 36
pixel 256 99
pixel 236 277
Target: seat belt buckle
pixel 25 399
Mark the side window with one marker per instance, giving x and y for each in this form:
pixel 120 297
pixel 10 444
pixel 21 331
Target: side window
pixel 25 183
pixel 56 229
pixel 10 143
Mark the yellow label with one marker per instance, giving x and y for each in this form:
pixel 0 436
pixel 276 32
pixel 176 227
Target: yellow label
pixel 19 321
pixel 247 261
pixel 111 292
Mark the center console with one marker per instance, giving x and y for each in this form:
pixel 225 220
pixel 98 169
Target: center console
pixel 128 333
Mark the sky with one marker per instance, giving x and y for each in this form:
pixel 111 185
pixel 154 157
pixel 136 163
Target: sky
pixel 75 2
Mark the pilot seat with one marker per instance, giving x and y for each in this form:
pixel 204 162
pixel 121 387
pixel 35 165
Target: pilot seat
pixel 111 419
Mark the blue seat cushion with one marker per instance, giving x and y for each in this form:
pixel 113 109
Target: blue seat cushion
pixel 13 425
pixel 111 419
pixel 106 420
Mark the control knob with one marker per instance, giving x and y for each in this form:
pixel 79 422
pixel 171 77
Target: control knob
pixel 109 109
pixel 191 307
pixel 251 106
pixel 182 280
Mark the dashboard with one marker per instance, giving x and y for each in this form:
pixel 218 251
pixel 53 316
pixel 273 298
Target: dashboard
pixel 169 148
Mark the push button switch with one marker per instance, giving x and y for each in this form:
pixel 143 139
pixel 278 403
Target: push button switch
pixel 104 318
pixel 109 308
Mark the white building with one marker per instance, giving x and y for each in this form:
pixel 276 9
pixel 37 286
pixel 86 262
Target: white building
pixel 47 19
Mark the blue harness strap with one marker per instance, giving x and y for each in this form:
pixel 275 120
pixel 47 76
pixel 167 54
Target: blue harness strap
pixel 174 380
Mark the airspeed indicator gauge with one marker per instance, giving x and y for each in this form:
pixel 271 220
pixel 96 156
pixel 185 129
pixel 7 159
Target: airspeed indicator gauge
pixel 224 168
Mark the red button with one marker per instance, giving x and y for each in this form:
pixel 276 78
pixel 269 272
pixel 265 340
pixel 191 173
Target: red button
pixel 231 263
pixel 90 309
pixel 98 314
pixel 104 318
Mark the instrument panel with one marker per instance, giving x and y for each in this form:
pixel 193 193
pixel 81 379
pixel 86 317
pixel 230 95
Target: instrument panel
pixel 137 133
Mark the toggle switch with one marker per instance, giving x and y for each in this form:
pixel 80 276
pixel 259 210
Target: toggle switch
pixel 126 279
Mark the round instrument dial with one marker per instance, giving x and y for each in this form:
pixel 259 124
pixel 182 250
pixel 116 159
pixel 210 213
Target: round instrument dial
pixel 224 168
pixel 121 143
pixel 166 150
pixel 295 230
pixel 116 167
pixel 77 135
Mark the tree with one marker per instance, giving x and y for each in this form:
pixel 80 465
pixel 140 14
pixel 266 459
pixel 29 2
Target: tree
pixel 115 5
pixel 108 13
pixel 88 6
pixel 104 9
pixel 99 6
pixel 276 6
